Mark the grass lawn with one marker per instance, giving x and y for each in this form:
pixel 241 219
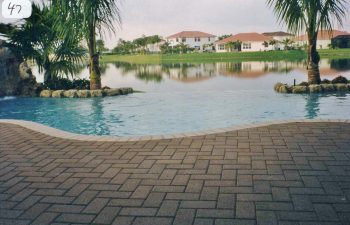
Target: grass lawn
pixel 218 57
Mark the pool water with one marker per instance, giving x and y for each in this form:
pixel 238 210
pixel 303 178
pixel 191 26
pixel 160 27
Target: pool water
pixel 184 98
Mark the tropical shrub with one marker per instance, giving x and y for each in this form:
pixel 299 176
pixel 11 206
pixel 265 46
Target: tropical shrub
pixel 340 80
pixel 67 84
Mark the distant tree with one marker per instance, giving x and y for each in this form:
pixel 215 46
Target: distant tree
pixel 165 48
pixel 238 45
pixel 224 36
pixel 100 46
pixel 183 48
pixel 229 46
pixel 273 42
pixel 287 43
pixel 265 44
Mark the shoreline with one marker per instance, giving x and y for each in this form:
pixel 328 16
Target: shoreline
pixel 54 132
pixel 294 55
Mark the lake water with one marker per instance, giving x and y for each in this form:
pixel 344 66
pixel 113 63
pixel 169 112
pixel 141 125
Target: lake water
pixel 186 97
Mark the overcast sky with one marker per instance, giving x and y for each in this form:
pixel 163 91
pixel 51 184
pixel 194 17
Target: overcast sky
pixel 166 17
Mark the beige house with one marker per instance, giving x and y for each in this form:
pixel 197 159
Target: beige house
pixel 279 36
pixel 251 42
pixel 324 38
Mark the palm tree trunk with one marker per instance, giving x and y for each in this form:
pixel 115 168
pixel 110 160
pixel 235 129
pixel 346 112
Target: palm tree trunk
pixel 94 64
pixel 313 62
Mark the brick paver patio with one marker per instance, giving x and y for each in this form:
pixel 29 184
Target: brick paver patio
pixel 291 174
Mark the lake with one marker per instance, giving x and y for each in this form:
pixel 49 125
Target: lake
pixel 186 97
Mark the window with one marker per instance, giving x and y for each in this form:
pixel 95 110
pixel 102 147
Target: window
pixel 197 48
pixel 197 39
pixel 247 46
pixel 183 39
pixel 208 38
pixel 221 47
pixel 177 40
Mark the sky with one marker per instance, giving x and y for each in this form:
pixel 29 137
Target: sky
pixel 166 17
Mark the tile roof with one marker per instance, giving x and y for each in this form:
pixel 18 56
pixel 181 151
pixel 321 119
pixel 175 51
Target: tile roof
pixel 246 37
pixel 324 35
pixel 277 33
pixel 191 34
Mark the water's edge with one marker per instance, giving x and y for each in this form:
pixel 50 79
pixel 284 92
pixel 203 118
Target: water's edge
pixel 79 137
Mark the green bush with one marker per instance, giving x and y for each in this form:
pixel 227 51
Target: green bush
pixel 325 81
pixel 340 80
pixel 66 84
pixel 304 84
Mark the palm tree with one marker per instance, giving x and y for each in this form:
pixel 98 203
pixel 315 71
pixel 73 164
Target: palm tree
pixel 237 45
pixel 36 38
pixel 86 19
pixel 287 43
pixel 273 43
pixel 310 16
pixel 230 46
pixel 265 44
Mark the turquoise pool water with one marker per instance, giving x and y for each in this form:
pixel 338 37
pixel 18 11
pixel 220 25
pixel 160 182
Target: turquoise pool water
pixel 182 98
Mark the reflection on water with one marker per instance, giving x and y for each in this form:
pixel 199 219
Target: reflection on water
pixel 197 72
pixel 312 106
pixel 187 72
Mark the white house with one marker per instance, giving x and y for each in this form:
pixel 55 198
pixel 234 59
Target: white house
pixel 324 38
pixel 251 42
pixel 155 48
pixel 194 39
pixel 279 36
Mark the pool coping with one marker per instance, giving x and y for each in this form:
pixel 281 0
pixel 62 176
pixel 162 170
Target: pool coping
pixel 54 132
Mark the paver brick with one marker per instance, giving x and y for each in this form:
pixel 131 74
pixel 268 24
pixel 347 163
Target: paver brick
pixel 283 174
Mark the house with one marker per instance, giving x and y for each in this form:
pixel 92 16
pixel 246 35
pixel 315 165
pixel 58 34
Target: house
pixel 341 41
pixel 194 39
pixel 324 38
pixel 250 42
pixel 279 36
pixel 155 47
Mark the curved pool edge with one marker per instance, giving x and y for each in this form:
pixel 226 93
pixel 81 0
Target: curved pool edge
pixel 54 132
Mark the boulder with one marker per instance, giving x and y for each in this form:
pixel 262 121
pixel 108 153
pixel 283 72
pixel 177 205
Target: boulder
pixel 328 87
pixel 57 94
pixel 315 88
pixel 125 91
pixel 97 93
pixel 300 89
pixel 112 92
pixel 277 86
pixel 16 77
pixel 70 94
pixel 283 89
pixel 46 94
pixel 341 87
pixel 84 94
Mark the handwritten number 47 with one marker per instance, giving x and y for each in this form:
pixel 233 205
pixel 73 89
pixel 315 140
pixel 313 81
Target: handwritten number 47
pixel 14 7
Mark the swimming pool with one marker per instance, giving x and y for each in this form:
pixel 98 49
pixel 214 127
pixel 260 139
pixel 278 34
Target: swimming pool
pixel 202 97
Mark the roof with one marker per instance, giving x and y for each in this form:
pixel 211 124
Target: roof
pixel 246 37
pixel 324 35
pixel 278 34
pixel 191 34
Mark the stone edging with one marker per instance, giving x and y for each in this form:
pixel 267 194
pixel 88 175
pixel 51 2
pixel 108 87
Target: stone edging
pixel 322 88
pixel 85 93
pixel 79 137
